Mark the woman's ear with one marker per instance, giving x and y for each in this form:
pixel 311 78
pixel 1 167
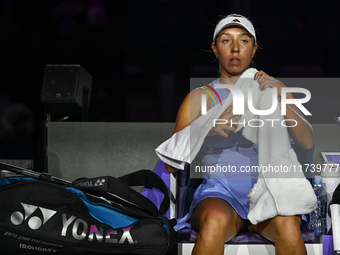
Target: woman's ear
pixel 254 49
pixel 213 46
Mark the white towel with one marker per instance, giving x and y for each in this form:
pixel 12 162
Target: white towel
pixel 285 191
pixel 275 193
pixel 184 145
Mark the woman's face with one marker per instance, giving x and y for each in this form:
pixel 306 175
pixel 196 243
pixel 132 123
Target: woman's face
pixel 234 49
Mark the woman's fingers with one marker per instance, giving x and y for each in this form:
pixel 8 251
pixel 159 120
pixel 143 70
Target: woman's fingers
pixel 260 73
pixel 221 132
pixel 227 114
pixel 268 84
pixel 222 128
pixel 267 81
pixel 262 77
pixel 226 123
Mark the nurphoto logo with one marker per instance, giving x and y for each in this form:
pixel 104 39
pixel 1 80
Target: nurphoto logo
pixel 238 104
pixel 238 100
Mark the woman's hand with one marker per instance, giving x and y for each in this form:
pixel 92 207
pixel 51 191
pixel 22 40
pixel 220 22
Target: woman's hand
pixel 230 123
pixel 298 128
pixel 267 81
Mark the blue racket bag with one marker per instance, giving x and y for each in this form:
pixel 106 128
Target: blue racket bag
pixel 101 215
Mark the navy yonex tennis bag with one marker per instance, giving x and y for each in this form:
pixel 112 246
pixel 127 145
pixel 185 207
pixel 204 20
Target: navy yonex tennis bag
pixel 103 215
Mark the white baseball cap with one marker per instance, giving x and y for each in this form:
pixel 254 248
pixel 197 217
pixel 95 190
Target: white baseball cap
pixel 235 20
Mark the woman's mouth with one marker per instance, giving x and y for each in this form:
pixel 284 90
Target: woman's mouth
pixel 235 61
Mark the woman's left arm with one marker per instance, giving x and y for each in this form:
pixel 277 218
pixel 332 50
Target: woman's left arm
pixel 300 130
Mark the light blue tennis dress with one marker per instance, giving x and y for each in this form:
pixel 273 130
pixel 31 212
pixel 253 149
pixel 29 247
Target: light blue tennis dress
pixel 235 153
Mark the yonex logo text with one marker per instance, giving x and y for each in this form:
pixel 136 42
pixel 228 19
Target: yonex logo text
pixel 89 183
pixel 80 229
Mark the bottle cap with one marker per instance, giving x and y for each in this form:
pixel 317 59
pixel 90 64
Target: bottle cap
pixel 317 179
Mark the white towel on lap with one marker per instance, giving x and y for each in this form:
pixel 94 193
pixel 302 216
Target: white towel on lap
pixel 284 192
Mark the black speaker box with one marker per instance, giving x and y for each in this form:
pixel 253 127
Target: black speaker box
pixel 64 87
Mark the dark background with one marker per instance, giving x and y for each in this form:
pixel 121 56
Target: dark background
pixel 142 53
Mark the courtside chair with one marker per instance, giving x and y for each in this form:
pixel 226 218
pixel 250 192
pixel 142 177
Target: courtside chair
pixel 181 189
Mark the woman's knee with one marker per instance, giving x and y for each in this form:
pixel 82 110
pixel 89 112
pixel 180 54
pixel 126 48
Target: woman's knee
pixel 217 217
pixel 283 228
pixel 288 225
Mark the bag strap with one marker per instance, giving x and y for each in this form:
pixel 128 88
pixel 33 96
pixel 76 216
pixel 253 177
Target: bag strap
pixel 149 179
pixel 121 187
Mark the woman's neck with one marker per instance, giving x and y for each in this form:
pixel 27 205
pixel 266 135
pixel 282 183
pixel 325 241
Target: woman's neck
pixel 227 78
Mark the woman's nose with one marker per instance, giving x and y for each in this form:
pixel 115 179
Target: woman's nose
pixel 235 47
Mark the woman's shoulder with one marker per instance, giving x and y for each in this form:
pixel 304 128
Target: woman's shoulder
pixel 198 92
pixel 194 97
pixel 190 108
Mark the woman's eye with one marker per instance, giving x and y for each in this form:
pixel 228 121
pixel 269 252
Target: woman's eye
pixel 244 41
pixel 225 40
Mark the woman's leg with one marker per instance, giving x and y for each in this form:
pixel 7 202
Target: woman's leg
pixel 285 232
pixel 217 223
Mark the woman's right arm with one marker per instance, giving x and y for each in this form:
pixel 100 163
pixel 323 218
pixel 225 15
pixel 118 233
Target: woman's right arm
pixel 189 110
